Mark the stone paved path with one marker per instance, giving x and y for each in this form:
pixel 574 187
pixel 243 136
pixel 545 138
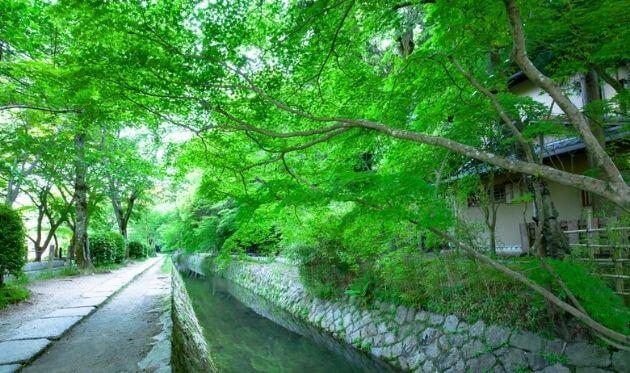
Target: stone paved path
pixel 47 296
pixel 48 319
pixel 121 335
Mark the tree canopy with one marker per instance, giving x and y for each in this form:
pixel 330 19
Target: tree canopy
pixel 340 132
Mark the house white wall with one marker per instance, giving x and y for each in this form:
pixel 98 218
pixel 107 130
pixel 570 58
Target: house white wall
pixel 572 88
pixel 568 202
pixel 527 88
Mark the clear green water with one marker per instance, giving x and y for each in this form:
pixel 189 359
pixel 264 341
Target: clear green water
pixel 241 340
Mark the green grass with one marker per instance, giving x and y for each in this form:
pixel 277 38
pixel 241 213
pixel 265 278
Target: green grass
pixel 104 268
pixel 166 266
pixel 50 274
pixel 45 275
pixel 455 284
pixel 10 294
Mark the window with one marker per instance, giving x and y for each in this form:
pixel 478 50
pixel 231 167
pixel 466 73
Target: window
pixel 473 200
pixel 499 194
pixel 498 197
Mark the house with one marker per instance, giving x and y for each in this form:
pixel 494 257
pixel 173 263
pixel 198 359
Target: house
pixel 512 232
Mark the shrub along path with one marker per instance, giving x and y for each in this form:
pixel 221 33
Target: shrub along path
pixel 119 336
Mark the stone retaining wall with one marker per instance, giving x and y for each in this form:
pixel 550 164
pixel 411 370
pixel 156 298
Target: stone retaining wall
pixel 415 340
pixel 190 351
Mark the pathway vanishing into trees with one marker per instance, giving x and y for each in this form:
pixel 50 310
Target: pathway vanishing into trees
pixel 120 335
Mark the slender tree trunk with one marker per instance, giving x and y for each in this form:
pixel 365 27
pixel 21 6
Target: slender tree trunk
pixel 122 216
pixel 493 239
pixel 122 227
pixel 490 208
pixel 38 253
pixel 13 187
pixel 123 230
pixel 81 242
pixel 9 198
pixel 58 253
pixel 591 93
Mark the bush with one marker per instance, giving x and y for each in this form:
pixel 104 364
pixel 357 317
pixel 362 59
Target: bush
pixel 138 250
pixel 10 294
pixel 12 243
pixel 322 270
pixel 257 239
pixel 119 242
pixel 102 249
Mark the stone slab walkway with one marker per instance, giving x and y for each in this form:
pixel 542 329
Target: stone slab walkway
pixel 28 329
pixel 130 333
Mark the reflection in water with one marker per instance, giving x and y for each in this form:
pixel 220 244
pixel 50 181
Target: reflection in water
pixel 241 340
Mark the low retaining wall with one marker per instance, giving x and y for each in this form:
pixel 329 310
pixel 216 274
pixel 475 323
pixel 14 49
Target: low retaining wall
pixel 190 351
pixel 44 265
pixel 415 340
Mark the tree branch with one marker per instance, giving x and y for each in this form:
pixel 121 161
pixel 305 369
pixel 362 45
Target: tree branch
pixel 594 325
pixel 586 183
pixel 519 54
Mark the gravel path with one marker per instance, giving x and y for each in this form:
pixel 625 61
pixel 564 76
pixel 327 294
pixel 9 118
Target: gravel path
pixel 50 295
pixel 118 336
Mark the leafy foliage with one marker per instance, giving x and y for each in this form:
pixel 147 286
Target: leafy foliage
pixel 238 99
pixel 11 293
pixel 12 242
pixel 596 297
pixel 138 250
pixel 119 243
pixel 103 249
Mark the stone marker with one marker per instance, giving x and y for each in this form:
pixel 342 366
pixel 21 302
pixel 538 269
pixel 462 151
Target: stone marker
pixel 12 352
pixel 51 328
pixel 75 311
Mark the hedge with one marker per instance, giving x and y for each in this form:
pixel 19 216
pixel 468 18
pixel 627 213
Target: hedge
pixel 12 243
pixel 138 250
pixel 119 242
pixel 102 248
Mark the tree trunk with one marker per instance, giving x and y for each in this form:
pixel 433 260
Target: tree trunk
pixel 123 231
pixel 13 187
pixel 591 93
pixel 554 243
pixel 38 254
pixel 493 240
pixel 81 242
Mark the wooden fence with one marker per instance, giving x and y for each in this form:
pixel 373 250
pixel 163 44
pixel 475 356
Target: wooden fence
pixel 605 247
pixel 591 241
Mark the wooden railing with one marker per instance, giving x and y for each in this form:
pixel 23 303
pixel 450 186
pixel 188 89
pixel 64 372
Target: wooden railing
pixel 591 241
pixel 606 248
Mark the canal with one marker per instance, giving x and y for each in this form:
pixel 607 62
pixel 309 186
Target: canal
pixel 247 333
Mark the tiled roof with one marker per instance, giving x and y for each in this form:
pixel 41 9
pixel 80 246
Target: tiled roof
pixel 551 149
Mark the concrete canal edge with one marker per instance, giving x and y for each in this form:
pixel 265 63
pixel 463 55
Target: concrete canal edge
pixel 190 351
pixel 411 339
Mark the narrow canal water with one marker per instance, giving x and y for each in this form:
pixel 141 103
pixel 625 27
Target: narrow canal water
pixel 242 340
